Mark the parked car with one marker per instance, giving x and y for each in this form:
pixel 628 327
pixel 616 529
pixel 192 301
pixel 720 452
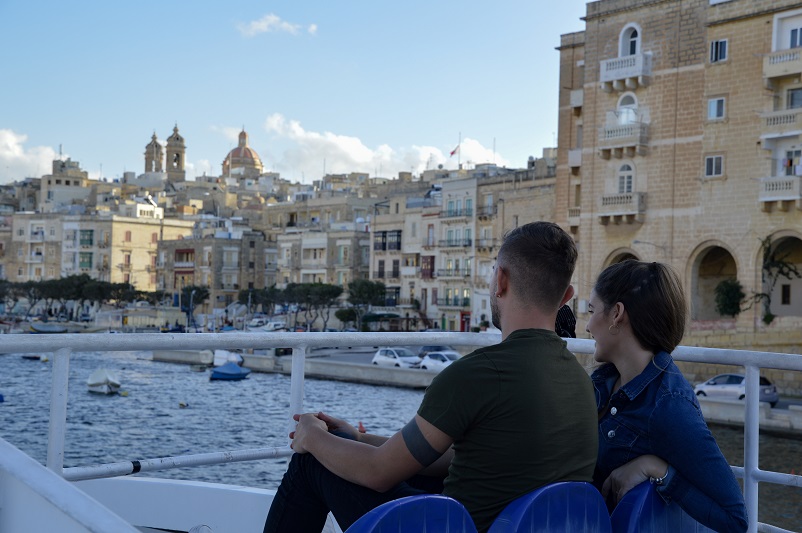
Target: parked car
pixel 437 361
pixel 426 349
pixel 734 386
pixel 396 356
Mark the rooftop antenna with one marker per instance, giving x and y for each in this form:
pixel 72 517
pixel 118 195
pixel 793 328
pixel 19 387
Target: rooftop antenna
pixel 494 150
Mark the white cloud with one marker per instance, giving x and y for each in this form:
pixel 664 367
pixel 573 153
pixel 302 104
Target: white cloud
pixel 271 23
pixel 305 153
pixel 312 29
pixel 18 162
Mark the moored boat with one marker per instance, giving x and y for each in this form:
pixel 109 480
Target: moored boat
pixel 103 381
pixel 230 371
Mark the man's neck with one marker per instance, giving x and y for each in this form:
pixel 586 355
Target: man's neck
pixel 517 318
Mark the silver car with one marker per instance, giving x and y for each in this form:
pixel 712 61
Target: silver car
pixel 734 386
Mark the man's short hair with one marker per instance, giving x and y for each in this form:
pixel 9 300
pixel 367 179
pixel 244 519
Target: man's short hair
pixel 539 259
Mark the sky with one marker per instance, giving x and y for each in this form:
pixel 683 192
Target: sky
pixel 321 86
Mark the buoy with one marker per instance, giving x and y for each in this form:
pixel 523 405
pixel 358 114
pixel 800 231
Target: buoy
pixel 124 393
pixel 44 359
pixel 183 404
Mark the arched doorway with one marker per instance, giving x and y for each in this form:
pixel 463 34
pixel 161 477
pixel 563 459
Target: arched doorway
pixel 619 257
pixel 786 293
pixel 712 266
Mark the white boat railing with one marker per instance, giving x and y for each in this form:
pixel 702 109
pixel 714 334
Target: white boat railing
pixel 62 345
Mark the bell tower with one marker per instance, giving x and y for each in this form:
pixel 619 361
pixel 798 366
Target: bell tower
pixel 154 155
pixel 176 151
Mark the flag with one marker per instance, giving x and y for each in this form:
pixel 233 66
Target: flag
pixel 454 151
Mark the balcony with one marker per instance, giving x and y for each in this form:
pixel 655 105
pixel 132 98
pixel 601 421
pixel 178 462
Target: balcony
pixel 782 191
pixel 485 245
pixel 625 207
pixel 576 99
pixel 456 213
pixel 625 140
pixel 184 264
pixel 378 274
pixel 454 302
pixel 625 73
pixel 573 216
pixel 575 157
pixel 453 273
pixel 486 212
pixel 783 123
pixel 781 63
pixel 410 271
pixel 35 259
pixel 455 243
pixel 36 236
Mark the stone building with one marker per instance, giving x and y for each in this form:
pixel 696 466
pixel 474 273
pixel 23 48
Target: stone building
pixel 679 141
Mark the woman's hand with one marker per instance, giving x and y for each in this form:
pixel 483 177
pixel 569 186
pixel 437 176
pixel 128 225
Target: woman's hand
pixel 626 477
pixel 306 428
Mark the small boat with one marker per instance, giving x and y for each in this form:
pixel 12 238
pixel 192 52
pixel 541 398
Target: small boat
pixel 103 381
pixel 47 327
pixel 230 371
pixel 32 357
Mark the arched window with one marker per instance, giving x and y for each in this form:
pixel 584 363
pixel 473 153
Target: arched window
pixel 629 41
pixel 625 176
pixel 627 110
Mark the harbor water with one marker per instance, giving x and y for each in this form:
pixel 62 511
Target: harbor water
pixel 168 409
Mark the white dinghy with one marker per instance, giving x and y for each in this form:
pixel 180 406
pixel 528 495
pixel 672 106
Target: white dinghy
pixel 103 381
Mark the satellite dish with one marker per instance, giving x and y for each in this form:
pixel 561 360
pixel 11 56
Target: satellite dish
pixel 360 220
pixel 440 166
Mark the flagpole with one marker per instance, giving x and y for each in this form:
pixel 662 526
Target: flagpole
pixel 459 152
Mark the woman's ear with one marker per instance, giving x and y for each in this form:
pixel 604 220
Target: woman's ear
pixel 618 311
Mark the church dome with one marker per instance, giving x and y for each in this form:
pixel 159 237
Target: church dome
pixel 242 157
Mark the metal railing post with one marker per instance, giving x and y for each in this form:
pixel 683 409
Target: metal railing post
pixel 296 385
pixel 751 443
pixel 58 410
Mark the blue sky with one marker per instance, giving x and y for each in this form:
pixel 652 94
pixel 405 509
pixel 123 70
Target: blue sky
pixel 368 86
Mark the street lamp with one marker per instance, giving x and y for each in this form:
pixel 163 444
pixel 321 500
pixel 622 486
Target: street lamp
pixel 191 299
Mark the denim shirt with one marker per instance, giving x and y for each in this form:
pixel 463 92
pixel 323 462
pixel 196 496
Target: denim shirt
pixel 657 413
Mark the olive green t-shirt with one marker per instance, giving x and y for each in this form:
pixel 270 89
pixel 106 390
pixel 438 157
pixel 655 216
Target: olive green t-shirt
pixel 522 414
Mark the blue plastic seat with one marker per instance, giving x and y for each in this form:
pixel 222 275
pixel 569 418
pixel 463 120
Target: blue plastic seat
pixel 425 513
pixel 642 509
pixel 567 506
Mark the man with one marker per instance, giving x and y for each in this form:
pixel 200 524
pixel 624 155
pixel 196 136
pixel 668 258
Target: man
pixel 500 422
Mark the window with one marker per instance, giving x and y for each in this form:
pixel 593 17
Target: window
pixel 714 166
pixel 127 236
pixel 154 238
pixel 793 98
pixel 718 51
pixel 715 108
pixel 786 295
pixel 796 38
pixel 86 237
pixel 85 260
pixel 629 41
pixel 792 163
pixel 627 110
pixel 625 174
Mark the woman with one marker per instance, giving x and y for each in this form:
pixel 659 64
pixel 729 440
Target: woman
pixel 650 423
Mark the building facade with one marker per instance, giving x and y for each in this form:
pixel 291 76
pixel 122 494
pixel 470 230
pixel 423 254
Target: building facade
pixel 679 142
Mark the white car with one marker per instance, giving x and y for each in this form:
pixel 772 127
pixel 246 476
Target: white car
pixel 437 361
pixel 734 386
pixel 400 357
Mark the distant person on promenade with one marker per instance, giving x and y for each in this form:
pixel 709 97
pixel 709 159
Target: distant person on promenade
pixel 565 325
pixel 650 423
pixel 494 425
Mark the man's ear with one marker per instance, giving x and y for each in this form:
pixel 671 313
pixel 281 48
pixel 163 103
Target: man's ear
pixel 502 281
pixel 569 293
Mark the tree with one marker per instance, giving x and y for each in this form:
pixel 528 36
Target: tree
pixel 362 293
pixel 191 297
pixel 775 266
pixel 122 293
pixel 325 297
pixel 346 315
pixel 729 297
pixel 31 291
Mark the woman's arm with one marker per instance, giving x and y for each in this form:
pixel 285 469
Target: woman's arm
pixel 699 478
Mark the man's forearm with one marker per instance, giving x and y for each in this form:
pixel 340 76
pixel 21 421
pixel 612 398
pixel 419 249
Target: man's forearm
pixel 373 440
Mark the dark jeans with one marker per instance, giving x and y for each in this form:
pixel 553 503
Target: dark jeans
pixel 309 491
